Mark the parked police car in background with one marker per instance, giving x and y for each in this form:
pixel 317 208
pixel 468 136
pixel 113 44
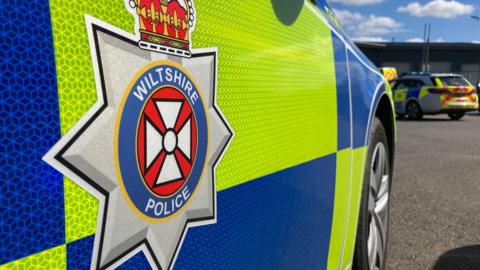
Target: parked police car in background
pixel 416 94
pixel 192 135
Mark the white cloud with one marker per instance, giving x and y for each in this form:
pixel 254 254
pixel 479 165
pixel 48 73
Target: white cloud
pixel 359 25
pixel 357 2
pixel 346 17
pixel 476 41
pixel 444 9
pixel 415 40
pixel 369 39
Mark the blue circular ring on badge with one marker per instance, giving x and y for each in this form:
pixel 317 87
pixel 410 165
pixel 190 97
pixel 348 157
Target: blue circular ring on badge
pixel 162 140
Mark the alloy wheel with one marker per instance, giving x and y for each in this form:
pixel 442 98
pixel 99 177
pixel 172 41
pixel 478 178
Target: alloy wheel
pixel 413 110
pixel 378 200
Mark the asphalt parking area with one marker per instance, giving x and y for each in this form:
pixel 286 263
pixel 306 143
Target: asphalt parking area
pixel 435 211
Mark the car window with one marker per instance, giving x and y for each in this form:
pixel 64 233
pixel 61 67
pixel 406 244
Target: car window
pixel 401 84
pixel 394 84
pixel 454 81
pixel 416 84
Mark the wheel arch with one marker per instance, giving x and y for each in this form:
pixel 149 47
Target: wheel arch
pixel 413 99
pixel 383 109
pixel 385 112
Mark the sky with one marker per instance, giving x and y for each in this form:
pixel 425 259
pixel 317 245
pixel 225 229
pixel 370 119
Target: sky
pixel 404 20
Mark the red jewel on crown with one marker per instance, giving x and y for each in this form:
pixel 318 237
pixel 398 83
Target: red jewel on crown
pixel 165 25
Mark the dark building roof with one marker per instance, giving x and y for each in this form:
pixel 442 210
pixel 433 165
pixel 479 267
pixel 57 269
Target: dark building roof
pixel 418 45
pixel 461 58
pixel 456 54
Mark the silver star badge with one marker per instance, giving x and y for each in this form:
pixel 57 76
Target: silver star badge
pixel 89 153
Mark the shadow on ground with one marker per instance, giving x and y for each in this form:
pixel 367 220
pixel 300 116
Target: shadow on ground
pixel 427 120
pixel 465 258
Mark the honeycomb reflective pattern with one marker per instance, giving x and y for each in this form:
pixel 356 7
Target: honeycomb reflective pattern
pixel 139 261
pixel 289 108
pixel 51 259
pixel 31 192
pixel 80 212
pixel 76 90
pixel 280 98
pixel 300 97
pixel 279 221
pixel 79 255
pixel 242 67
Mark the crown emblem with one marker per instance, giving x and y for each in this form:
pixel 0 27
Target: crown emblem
pixel 165 25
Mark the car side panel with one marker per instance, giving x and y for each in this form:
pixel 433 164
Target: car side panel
pixel 300 98
pixel 367 86
pixel 276 183
pixel 342 185
pixel 430 103
pixel 400 99
pixel 31 192
pixel 343 93
pixel 280 221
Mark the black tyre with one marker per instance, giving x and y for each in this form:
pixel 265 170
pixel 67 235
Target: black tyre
pixel 400 116
pixel 413 111
pixel 372 231
pixel 456 115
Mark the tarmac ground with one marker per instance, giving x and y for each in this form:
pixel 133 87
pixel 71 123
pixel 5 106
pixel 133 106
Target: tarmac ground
pixel 435 198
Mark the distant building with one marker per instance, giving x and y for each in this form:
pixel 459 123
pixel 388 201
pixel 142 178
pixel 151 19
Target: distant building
pixel 463 58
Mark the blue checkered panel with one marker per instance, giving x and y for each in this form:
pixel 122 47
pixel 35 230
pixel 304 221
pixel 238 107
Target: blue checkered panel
pixel 279 221
pixel 139 261
pixel 79 253
pixel 31 192
pixel 79 257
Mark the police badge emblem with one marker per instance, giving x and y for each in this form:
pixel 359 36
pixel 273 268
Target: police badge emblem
pixel 170 138
pixel 149 147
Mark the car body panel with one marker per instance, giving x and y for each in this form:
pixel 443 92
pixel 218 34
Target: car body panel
pixel 300 103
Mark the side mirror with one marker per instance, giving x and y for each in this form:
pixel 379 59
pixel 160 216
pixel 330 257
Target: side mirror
pixel 287 11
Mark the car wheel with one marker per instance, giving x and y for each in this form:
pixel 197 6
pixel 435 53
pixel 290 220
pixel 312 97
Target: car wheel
pixel 414 111
pixel 400 116
pixel 372 230
pixel 456 115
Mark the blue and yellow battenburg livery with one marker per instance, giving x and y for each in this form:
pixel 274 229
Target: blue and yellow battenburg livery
pixel 181 134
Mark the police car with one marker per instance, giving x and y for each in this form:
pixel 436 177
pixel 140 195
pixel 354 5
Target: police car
pixel 416 94
pixel 182 134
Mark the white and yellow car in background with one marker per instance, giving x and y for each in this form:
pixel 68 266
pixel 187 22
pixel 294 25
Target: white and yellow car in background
pixel 417 94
